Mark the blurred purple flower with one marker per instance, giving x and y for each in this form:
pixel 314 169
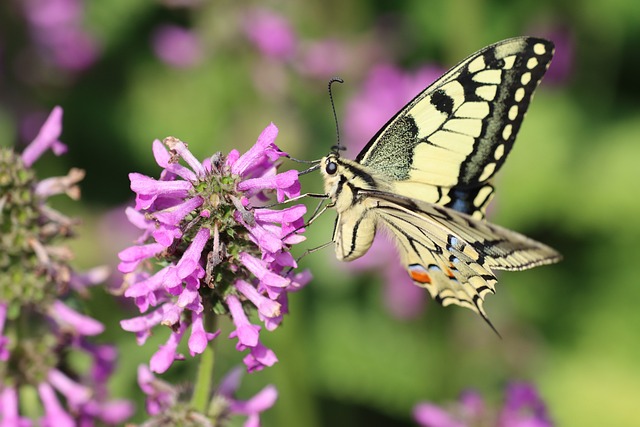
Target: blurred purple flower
pixel 385 91
pixel 177 46
pixel 37 288
pixel 561 67
pixel 164 401
pixel 252 408
pixel 323 59
pixel 523 408
pixel 271 33
pixel 56 29
pixel 218 249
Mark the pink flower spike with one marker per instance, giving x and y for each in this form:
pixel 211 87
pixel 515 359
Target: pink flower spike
pixel 265 239
pixel 133 255
pixel 199 337
pixel 75 393
pixel 54 414
pixel 9 409
pixel 429 415
pixel 174 214
pixel 284 216
pixel 143 184
pixel 262 401
pixel 191 258
pixel 230 383
pixel 142 325
pixel 260 270
pixel 163 159
pixel 160 395
pixel 246 333
pixel 180 147
pixel 166 354
pixel 266 307
pixel 74 322
pixel 177 46
pixel 259 358
pixel 146 286
pixel 46 138
pixel 286 184
pixel 256 154
pixel 270 33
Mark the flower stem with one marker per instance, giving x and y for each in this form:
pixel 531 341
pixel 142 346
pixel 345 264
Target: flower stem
pixel 202 389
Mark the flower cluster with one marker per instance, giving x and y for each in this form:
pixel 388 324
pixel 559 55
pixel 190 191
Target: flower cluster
pixel 523 407
pixel 164 405
pixel 39 329
pixel 216 252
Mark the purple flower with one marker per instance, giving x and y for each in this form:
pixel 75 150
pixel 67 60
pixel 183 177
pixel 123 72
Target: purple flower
pixel 164 401
pixel 523 408
pixel 160 395
pixel 219 250
pixel 252 408
pixel 561 68
pixel 385 91
pixel 46 139
pixel 271 33
pixel 39 288
pixel 323 59
pixel 177 46
pixel 9 415
pixel 56 29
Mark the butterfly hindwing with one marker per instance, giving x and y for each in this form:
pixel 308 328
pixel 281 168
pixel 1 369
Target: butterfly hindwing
pixel 452 254
pixel 456 134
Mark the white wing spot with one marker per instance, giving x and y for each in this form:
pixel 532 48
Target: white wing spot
pixel 476 65
pixel 525 79
pixel 519 95
pixel 499 152
pixel 513 112
pixel 473 110
pixel 506 132
pixel 487 92
pixel 532 63
pixel 508 62
pixel 481 198
pixel 488 76
pixel 487 171
pixel 539 49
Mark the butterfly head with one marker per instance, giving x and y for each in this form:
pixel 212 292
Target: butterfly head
pixel 332 171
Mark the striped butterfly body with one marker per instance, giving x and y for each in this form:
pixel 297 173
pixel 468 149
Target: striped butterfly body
pixel 425 177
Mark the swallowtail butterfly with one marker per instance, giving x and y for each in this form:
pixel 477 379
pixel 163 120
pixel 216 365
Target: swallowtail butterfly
pixel 426 177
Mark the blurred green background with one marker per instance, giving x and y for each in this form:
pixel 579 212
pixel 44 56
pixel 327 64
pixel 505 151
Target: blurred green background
pixel 572 329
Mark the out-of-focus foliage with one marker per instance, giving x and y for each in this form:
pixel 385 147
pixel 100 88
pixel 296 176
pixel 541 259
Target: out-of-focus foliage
pixel 570 181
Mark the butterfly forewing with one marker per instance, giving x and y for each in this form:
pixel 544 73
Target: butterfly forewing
pixel 456 134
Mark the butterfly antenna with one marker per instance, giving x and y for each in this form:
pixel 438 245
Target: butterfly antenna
pixel 338 147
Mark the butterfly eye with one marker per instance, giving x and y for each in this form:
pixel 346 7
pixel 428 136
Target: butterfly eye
pixel 332 168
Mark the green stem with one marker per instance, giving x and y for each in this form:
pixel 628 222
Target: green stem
pixel 202 389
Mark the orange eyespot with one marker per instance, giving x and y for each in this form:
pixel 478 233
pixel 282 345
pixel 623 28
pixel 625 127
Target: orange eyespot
pixel 419 274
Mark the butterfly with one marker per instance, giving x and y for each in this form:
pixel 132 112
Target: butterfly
pixel 426 177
